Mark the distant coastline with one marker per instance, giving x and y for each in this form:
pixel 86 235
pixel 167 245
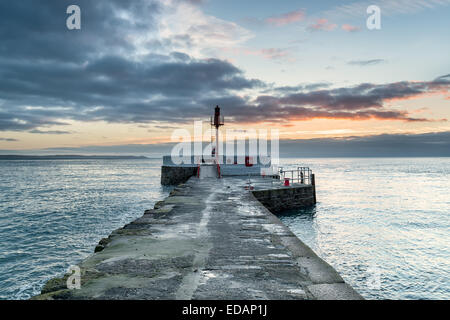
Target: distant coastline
pixel 283 156
pixel 68 157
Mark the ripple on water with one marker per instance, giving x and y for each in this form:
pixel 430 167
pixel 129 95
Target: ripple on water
pixel 373 216
pixel 54 212
pixel 385 216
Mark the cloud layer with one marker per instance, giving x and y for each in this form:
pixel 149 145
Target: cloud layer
pixel 121 67
pixel 386 145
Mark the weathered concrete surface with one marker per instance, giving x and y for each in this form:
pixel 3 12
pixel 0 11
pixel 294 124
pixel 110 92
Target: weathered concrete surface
pixel 211 239
pixel 208 171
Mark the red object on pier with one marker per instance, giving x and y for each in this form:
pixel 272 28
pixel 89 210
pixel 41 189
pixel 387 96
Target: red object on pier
pixel 286 182
pixel 248 163
pixel 218 171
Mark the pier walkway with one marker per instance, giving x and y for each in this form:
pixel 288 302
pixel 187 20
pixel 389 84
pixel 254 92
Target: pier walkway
pixel 210 239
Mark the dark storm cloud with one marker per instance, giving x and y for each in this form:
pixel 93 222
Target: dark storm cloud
pixel 89 74
pixel 49 75
pixel 37 29
pixel 23 121
pixel 362 102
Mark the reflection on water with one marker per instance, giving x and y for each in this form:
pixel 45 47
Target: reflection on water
pixel 386 216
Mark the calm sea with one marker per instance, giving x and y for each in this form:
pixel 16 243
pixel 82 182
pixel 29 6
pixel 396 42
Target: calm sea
pixel 382 223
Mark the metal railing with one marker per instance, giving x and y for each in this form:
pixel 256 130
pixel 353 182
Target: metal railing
pixel 302 175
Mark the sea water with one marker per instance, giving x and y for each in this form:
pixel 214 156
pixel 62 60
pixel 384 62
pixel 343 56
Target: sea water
pixel 383 224
pixel 54 212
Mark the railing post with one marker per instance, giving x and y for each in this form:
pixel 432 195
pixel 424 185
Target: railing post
pixel 313 183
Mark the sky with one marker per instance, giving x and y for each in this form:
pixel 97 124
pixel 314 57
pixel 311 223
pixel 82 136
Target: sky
pixel 137 70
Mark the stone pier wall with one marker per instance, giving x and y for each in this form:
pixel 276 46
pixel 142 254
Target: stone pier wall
pixel 289 198
pixel 173 175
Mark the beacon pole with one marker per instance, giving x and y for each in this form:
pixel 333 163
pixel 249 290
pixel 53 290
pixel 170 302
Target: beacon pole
pixel 217 123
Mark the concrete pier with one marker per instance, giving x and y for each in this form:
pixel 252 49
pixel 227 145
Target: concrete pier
pixel 210 239
pixel 278 198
